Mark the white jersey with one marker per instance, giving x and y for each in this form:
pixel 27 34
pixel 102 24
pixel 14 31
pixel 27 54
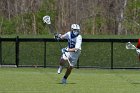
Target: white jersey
pixel 73 42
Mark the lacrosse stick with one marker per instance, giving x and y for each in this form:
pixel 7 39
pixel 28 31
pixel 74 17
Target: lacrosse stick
pixel 47 20
pixel 129 45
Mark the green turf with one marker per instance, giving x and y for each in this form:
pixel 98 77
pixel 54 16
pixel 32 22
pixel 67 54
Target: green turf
pixel 46 80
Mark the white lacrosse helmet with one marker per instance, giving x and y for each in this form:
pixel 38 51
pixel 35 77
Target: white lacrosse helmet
pixel 75 29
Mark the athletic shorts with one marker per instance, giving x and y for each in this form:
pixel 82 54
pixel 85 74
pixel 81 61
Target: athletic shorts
pixel 73 57
pixel 138 44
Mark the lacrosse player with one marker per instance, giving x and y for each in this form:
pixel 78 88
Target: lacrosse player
pixel 138 48
pixel 71 53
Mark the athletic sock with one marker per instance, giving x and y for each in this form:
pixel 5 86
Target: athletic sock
pixel 65 77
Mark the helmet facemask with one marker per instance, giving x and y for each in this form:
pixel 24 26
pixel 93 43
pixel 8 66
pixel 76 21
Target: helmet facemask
pixel 76 32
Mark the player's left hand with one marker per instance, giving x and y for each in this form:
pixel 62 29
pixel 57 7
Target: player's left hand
pixel 63 50
pixel 57 36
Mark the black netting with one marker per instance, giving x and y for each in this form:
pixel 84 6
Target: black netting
pixel 93 54
pixel 8 53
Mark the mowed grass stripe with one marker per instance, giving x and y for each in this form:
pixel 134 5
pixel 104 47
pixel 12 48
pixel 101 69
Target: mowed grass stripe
pixel 46 80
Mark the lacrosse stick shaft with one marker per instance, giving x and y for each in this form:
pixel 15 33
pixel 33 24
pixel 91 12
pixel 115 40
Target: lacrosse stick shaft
pixel 67 58
pixel 47 20
pixel 64 53
pixel 69 61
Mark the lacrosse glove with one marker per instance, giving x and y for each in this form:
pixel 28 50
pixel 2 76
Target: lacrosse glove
pixel 138 51
pixel 63 50
pixel 57 36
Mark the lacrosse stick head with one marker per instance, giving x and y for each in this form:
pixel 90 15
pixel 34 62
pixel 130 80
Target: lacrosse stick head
pixel 47 19
pixel 129 45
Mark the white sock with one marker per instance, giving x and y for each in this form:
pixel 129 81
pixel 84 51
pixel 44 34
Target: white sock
pixel 60 69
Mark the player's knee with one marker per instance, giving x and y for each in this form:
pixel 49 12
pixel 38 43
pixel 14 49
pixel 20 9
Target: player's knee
pixel 62 61
pixel 70 67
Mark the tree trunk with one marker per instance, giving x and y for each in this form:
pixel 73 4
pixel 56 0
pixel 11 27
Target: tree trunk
pixel 34 24
pixel 1 25
pixel 121 17
pixel 9 13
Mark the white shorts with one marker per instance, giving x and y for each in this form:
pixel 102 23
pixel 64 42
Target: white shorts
pixel 73 57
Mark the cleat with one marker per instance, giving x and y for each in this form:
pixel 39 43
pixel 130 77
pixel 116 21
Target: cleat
pixel 59 69
pixel 64 81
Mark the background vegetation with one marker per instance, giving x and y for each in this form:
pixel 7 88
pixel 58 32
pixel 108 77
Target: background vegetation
pixel 98 17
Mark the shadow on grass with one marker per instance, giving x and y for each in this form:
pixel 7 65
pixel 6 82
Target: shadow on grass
pixel 66 83
pixel 135 83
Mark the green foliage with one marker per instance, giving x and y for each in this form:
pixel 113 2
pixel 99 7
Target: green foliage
pixel 23 23
pixel 8 26
pixel 89 25
pixel 99 23
pixel 131 21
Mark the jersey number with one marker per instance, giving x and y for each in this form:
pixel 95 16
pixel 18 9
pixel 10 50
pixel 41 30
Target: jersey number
pixel 71 44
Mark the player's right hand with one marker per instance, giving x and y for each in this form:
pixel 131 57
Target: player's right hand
pixel 63 50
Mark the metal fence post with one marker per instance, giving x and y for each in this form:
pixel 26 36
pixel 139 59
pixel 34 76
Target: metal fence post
pixel 44 54
pixel 17 51
pixel 78 63
pixel 0 52
pixel 111 54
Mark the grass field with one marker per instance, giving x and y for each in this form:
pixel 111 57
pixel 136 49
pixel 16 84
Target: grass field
pixel 46 80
